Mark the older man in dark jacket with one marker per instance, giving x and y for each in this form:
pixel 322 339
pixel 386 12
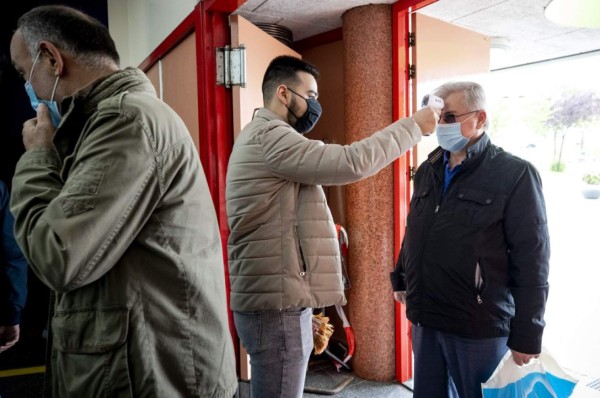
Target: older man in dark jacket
pixel 473 268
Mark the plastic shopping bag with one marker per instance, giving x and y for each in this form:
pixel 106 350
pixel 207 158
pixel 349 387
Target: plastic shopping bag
pixel 540 378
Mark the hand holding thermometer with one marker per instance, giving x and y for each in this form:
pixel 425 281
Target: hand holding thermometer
pixel 428 116
pixel 432 101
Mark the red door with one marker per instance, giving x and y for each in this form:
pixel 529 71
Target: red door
pixel 404 104
pixel 210 117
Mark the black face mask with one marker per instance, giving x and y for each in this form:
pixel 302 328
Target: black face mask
pixel 306 122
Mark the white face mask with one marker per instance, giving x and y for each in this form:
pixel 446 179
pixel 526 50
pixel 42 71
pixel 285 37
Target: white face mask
pixel 450 137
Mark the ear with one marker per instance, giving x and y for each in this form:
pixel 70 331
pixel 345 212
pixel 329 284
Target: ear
pixel 282 94
pixel 53 57
pixel 481 118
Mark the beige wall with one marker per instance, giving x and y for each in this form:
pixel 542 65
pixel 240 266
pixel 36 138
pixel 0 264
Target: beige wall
pixel 260 50
pixel 446 52
pixel 139 26
pixel 174 78
pixel 179 84
pixel 329 59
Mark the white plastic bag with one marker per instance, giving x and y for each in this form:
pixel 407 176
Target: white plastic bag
pixel 540 378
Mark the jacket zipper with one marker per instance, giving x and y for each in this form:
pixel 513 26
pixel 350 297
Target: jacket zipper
pixel 479 282
pixel 436 211
pixel 302 273
pixel 478 275
pixel 301 252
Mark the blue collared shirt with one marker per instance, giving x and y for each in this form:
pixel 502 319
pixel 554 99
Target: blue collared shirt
pixel 471 151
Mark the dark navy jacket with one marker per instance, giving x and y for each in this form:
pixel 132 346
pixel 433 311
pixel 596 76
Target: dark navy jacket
pixel 475 260
pixel 13 267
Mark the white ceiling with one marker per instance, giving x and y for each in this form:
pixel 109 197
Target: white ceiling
pixel 531 36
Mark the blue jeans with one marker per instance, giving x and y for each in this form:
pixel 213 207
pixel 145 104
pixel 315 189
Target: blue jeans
pixel 447 365
pixel 279 343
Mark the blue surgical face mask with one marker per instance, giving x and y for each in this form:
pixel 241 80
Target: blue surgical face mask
pixel 450 136
pixel 306 122
pixel 35 101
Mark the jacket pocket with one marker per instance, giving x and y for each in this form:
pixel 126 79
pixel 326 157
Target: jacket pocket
pixel 477 208
pixel 87 178
pixel 90 353
pixel 301 255
pixel 418 202
pixel 82 187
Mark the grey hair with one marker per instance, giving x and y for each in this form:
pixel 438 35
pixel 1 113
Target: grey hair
pixel 83 37
pixel 473 92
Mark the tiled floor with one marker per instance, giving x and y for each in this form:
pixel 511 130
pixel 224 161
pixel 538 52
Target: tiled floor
pixel 325 378
pixel 359 388
pixel 30 386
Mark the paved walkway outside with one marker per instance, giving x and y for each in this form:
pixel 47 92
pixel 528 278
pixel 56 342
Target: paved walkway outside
pixel 572 313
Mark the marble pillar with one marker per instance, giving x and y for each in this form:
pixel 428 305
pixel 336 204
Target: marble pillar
pixel 367 36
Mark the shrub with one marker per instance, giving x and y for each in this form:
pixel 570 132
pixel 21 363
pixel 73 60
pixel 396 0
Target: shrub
pixel 557 166
pixel 591 178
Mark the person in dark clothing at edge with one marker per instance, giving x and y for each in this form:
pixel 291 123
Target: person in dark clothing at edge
pixel 13 277
pixel 473 266
pixel 113 212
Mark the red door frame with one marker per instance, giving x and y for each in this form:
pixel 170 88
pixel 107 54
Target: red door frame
pixel 401 11
pixel 210 21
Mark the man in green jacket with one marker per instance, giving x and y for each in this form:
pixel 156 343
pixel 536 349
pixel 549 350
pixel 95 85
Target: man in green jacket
pixel 283 249
pixel 113 212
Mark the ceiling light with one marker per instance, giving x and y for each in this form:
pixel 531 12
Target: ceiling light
pixel 498 43
pixel 578 13
pixel 498 47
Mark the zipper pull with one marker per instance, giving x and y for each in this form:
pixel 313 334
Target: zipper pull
pixel 437 208
pixel 479 300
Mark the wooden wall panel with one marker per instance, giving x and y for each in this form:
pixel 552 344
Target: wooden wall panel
pixel 180 86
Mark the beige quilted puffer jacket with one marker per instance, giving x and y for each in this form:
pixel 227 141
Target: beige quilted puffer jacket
pixel 283 249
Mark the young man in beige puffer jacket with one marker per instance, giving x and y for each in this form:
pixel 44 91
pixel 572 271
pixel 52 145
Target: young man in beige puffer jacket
pixel 283 250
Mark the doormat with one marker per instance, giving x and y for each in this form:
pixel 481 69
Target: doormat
pixel 326 381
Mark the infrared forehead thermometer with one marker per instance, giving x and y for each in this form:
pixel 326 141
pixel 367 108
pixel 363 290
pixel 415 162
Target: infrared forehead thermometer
pixel 433 102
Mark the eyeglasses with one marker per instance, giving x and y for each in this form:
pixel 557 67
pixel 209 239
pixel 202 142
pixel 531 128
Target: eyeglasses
pixel 315 96
pixel 451 117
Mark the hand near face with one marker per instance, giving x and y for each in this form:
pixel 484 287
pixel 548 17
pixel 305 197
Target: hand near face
pixel 427 119
pixel 9 335
pixel 39 131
